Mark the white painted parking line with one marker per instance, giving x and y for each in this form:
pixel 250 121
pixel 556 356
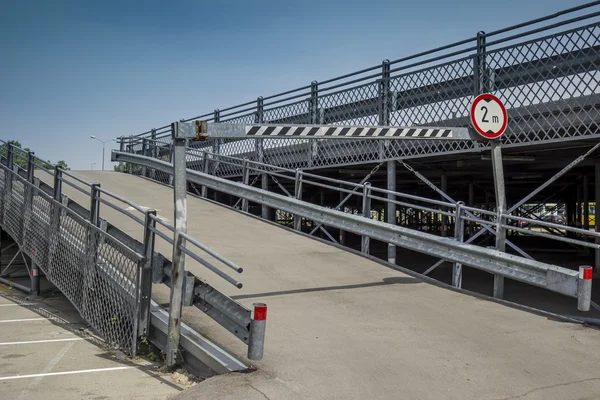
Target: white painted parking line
pixel 83 371
pixel 23 320
pixel 41 341
pixel 15 304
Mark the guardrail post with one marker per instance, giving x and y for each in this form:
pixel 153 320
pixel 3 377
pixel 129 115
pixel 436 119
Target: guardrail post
pixel 246 181
pixel 384 94
pixel 258 325
pixel 57 184
pixel 95 204
pixel 121 149
pixel 314 118
pixel 314 103
pixel 34 292
pixel 584 288
pixel 298 196
pixel 366 210
pixel 459 235
pixel 206 170
pixel 8 177
pixel 178 272
pixel 597 213
pixel 132 151
pixel 28 196
pixel 54 226
pixel 144 153
pixel 479 65
pixel 30 166
pixel 260 150
pixel 501 208
pixel 146 275
pixel 444 188
pixel 35 271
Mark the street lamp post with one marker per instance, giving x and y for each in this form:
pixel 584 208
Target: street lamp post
pixel 103 147
pixel 93 165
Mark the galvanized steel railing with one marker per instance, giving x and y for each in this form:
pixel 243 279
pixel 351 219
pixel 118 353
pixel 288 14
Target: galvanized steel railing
pixel 546 71
pixel 555 278
pixel 104 272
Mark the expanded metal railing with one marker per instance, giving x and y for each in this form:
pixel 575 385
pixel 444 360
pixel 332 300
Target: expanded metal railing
pixel 363 198
pixel 98 273
pixel 546 72
pixel 104 272
pixel 555 278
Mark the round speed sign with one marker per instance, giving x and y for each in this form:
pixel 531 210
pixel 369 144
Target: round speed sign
pixel 488 116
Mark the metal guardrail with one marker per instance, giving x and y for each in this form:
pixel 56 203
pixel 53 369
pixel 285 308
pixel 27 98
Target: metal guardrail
pixel 444 211
pixel 84 255
pixel 545 71
pixel 555 278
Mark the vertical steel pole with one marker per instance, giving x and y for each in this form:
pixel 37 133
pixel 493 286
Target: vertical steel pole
pixel 391 207
pixel 206 170
pixel 178 273
pixel 298 196
pixel 597 213
pixel 501 209
pixel 384 120
pixel 584 288
pixel 144 153
pixel 35 272
pixel 95 204
pixel 154 151
pixel 103 154
pixel 314 115
pixel 246 181
pixel 342 238
pixel 459 235
pixel 471 224
pixel 578 214
pixel 586 203
pixel 260 149
pixel 444 187
pixel 258 325
pixel 132 151
pixel 146 276
pixel 366 210
pixel 121 149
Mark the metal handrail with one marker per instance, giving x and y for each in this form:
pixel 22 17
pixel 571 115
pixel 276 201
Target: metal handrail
pixel 521 28
pixel 555 278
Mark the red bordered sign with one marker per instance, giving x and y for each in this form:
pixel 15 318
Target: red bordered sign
pixel 488 116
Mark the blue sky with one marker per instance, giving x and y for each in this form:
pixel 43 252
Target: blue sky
pixel 71 69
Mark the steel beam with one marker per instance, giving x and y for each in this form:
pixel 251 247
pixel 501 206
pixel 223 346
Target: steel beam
pixel 501 210
pixel 391 207
pixel 555 278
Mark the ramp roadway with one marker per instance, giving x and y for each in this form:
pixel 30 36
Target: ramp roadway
pixel 341 326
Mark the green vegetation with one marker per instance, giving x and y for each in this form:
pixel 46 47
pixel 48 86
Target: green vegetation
pixel 20 157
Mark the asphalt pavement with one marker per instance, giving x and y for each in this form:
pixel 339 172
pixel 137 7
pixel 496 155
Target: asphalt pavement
pixel 341 326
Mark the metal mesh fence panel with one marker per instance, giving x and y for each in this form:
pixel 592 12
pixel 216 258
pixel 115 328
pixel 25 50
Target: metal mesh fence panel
pixel 98 274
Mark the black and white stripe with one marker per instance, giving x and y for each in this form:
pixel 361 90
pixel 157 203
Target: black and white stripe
pixel 347 132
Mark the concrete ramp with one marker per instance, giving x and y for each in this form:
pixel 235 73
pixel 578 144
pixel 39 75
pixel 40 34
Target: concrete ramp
pixel 340 326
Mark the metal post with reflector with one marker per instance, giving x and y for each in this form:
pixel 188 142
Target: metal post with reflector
pixel 584 288
pixel 258 325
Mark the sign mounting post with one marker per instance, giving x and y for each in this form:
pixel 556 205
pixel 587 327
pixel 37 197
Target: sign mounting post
pixel 489 118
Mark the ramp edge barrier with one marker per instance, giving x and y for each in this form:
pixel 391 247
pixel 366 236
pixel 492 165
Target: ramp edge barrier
pixel 246 167
pixel 551 277
pixel 201 355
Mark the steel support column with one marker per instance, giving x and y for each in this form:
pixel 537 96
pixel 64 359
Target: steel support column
pixel 391 207
pixel 500 209
pixel 578 207
pixel 178 273
pixel 444 186
pixel 586 203
pixel 597 213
